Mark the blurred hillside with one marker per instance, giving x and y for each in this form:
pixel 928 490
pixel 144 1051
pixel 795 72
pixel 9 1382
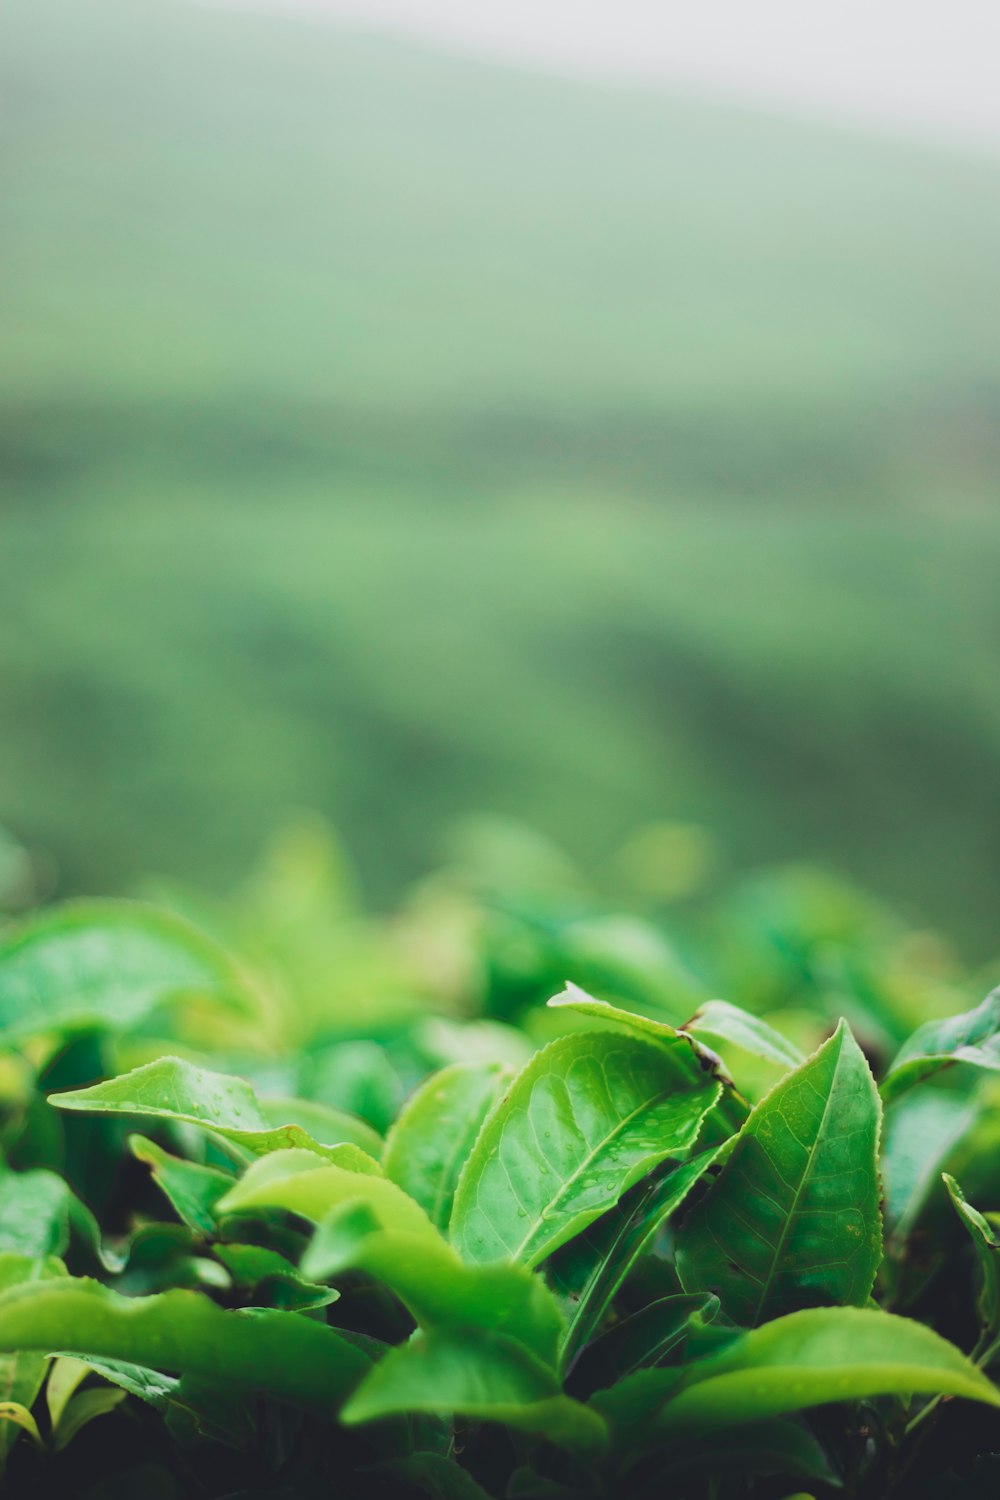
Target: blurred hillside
pixel 398 435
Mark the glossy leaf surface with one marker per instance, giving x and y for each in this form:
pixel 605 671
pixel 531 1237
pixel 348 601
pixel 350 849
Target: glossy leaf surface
pixel 806 1359
pixel 430 1142
pixel 172 1089
pixel 587 1117
pixel 793 1218
pixel 437 1288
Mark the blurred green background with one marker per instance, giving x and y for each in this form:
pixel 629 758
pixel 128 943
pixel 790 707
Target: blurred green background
pixel 399 435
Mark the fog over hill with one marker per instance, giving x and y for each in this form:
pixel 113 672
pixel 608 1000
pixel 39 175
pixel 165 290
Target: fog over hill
pixel 402 433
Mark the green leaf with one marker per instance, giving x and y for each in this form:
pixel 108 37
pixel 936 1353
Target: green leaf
pixel 21 1372
pixel 193 1190
pixel 432 1474
pixel 587 1273
pixel 38 1210
pixel 106 964
pixel 18 1414
pixel 65 1375
pixel 428 1145
pixel 778 1445
pixel 82 1410
pixel 805 1359
pixel 730 1023
pixel 973 1038
pixel 691 1058
pixel 645 1338
pixel 323 1122
pixel 987 1246
pixel 793 1218
pixel 171 1089
pixel 587 1117
pixel 300 1183
pixel 280 1354
pixel 430 1280
pixel 920 1133
pixel 479 1375
pixel 274 1280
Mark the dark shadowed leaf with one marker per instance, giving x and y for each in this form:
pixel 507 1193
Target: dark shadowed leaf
pixel 587 1273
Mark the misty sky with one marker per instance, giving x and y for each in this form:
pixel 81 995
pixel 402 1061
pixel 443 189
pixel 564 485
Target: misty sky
pixel 925 65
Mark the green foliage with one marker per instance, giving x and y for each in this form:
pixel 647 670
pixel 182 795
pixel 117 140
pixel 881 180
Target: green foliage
pixel 589 1266
pixel 793 1218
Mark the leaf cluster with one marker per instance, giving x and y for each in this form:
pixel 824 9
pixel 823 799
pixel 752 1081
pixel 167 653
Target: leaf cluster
pixel 602 1251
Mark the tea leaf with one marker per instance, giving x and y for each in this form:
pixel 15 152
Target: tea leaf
pixel 427 1147
pixel 729 1023
pixel 106 964
pixel 587 1117
pixel 973 1038
pixel 437 1288
pixel 171 1089
pixel 793 1218
pixel 303 1184
pixel 485 1376
pixel 280 1354
pixel 805 1359
pixel 587 1273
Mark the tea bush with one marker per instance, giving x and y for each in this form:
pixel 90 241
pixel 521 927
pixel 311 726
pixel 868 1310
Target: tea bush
pixel 492 1197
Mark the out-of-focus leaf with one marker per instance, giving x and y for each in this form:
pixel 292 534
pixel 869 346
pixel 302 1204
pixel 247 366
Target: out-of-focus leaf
pixel 323 1122
pixel 356 1077
pixel 18 1414
pixel 920 1133
pixel 729 1023
pixel 433 1474
pixel 65 1375
pixel 587 1273
pixel 171 1089
pixel 804 1359
pixel 587 1117
pixel 38 1211
pixel 793 1218
pixel 430 1280
pixel 280 1354
pixel 973 1038
pixel 193 1190
pixel 82 1409
pixel 105 964
pixel 987 1245
pixel 21 1371
pixel 303 1184
pixel 274 1279
pixel 429 1144
pixel 479 1375
pixel 777 1445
